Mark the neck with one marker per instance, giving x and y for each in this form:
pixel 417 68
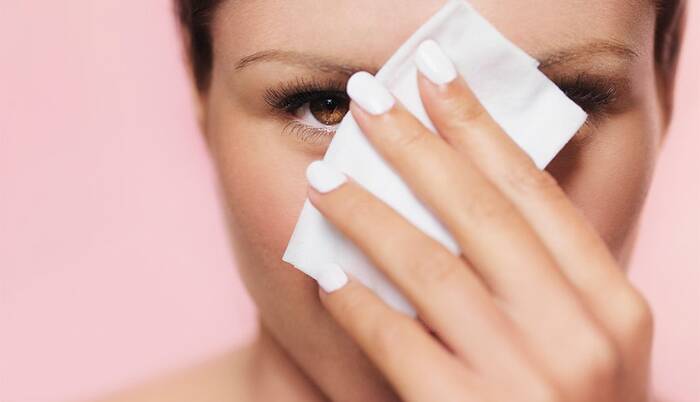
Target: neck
pixel 336 372
pixel 273 376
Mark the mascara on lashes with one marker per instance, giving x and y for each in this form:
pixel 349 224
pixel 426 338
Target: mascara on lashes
pixel 594 94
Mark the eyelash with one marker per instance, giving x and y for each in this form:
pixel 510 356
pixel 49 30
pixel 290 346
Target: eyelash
pixel 291 96
pixel 593 94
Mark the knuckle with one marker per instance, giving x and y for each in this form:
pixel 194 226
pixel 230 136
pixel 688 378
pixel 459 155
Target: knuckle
pixel 351 304
pixel 527 179
pixel 388 336
pixel 488 210
pixel 409 138
pixel 598 361
pixel 605 361
pixel 542 391
pixel 466 111
pixel 356 206
pixel 637 318
pixel 482 205
pixel 435 267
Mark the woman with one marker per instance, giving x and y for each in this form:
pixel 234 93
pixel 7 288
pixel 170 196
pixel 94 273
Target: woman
pixel 538 308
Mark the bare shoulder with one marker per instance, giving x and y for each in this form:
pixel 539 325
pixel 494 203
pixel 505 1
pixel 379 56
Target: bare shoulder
pixel 217 380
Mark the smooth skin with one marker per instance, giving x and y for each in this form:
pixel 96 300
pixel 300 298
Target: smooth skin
pixel 536 308
pixel 301 352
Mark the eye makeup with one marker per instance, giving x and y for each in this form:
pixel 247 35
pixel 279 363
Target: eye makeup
pixel 324 103
pixel 599 95
pixel 312 109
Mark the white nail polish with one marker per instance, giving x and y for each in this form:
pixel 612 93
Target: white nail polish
pixel 323 177
pixel 369 93
pixel 331 278
pixel 434 63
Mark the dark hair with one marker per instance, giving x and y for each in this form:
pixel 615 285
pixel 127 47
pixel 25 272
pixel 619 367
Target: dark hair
pixel 670 26
pixel 196 16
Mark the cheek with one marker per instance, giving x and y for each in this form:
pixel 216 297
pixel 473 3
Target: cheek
pixel 262 177
pixel 265 191
pixel 608 175
pixel 265 188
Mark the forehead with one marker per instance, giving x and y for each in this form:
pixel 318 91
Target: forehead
pixel 370 30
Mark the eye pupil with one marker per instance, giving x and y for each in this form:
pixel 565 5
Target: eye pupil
pixel 329 110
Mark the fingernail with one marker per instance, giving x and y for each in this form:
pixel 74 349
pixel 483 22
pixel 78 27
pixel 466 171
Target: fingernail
pixel 323 177
pixel 369 93
pixel 331 278
pixel 434 63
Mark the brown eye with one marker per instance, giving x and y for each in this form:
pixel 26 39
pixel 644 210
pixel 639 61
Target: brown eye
pixel 329 110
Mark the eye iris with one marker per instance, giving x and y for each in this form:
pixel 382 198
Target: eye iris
pixel 329 110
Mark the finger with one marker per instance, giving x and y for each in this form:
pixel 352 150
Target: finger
pixel 483 222
pixel 398 346
pixel 496 239
pixel 580 253
pixel 618 320
pixel 449 298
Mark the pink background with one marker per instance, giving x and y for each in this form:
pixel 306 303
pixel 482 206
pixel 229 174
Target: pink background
pixel 114 265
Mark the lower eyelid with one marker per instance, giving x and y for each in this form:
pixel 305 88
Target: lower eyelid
pixel 307 133
pixel 588 131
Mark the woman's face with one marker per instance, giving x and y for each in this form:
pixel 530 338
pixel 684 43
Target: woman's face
pixel 277 91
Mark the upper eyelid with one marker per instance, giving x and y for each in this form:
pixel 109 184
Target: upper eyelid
pixel 611 94
pixel 301 86
pixel 310 134
pixel 309 96
pixel 281 97
pixel 303 92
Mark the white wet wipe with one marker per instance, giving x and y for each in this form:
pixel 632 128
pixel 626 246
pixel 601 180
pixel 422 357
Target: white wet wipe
pixel 529 107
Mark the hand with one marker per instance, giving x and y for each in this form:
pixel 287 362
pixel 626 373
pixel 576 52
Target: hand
pixel 535 308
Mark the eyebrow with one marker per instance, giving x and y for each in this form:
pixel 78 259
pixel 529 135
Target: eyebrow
pixel 327 65
pixel 609 48
pixel 301 59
